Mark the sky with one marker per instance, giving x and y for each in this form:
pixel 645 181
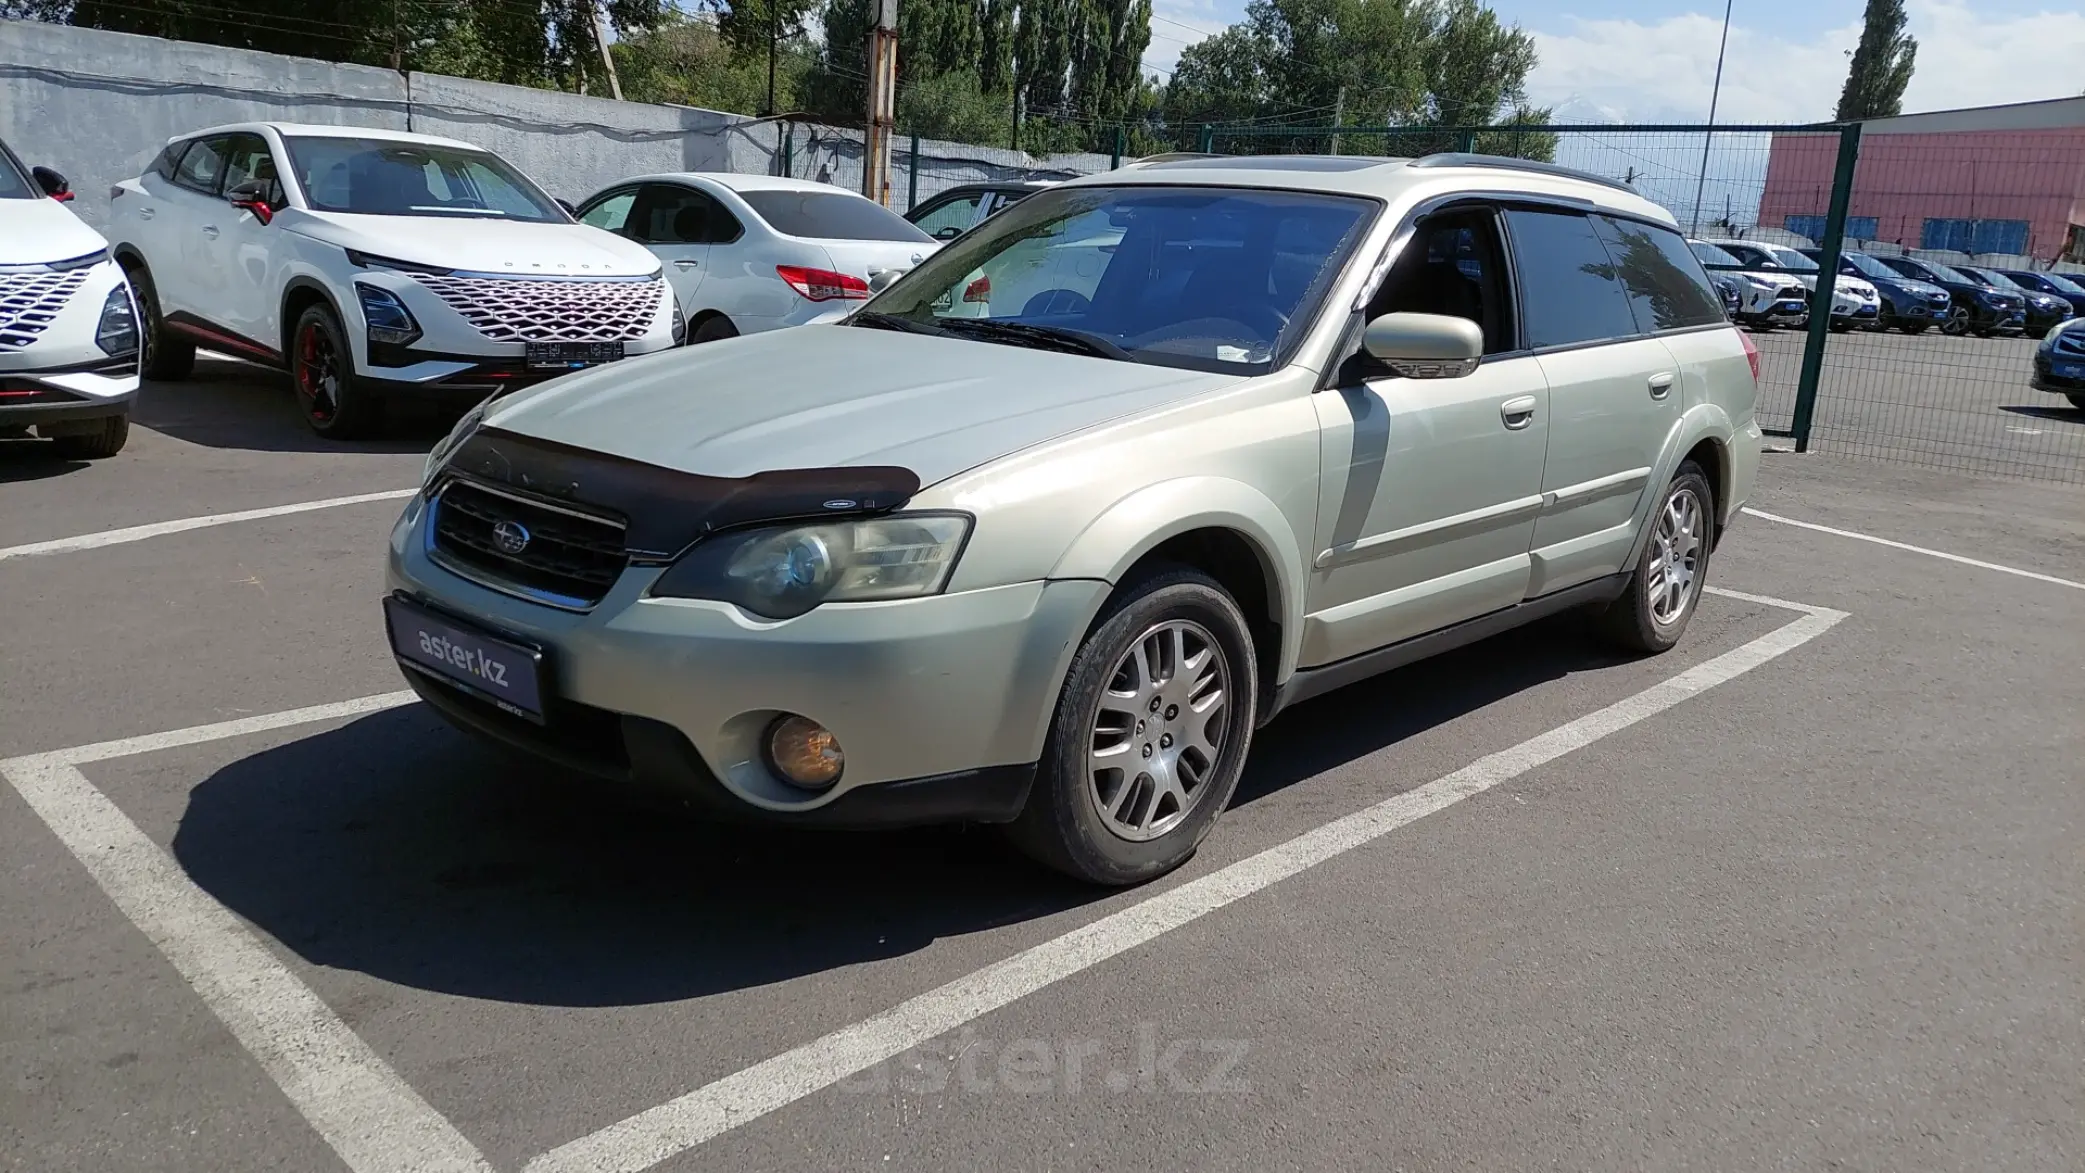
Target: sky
pixel 1786 61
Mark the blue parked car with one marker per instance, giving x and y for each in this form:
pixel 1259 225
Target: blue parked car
pixel 2061 285
pixel 1907 304
pixel 2045 311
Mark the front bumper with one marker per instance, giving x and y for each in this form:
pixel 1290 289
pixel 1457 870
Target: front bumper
pixel 940 704
pixel 61 374
pixel 2046 379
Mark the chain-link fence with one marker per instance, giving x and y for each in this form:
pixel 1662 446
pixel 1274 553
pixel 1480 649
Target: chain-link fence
pixel 1941 341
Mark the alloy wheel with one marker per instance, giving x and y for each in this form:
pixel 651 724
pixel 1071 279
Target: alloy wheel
pixel 318 372
pixel 1159 730
pixel 1675 556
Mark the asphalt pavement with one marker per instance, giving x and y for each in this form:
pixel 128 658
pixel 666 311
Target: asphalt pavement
pixel 1803 893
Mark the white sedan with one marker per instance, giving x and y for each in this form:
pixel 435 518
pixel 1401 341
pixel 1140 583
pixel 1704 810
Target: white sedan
pixel 1854 301
pixel 748 253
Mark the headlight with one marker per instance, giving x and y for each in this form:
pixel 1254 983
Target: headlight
pixel 386 316
pixel 680 322
pixel 784 572
pixel 118 332
pixel 1762 281
pixel 449 443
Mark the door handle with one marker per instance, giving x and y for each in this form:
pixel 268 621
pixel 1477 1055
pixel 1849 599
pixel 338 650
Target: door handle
pixel 1661 384
pixel 144 213
pixel 1518 412
pixel 210 230
pixel 686 264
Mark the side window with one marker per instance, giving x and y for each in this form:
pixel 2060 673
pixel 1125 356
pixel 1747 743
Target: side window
pixel 1453 266
pixel 948 220
pixel 202 166
pixel 1666 285
pixel 1571 291
pixel 246 157
pixel 671 214
pixel 169 159
pixel 611 214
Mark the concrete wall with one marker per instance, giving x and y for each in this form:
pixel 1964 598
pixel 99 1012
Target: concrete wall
pixel 98 106
pixel 1904 179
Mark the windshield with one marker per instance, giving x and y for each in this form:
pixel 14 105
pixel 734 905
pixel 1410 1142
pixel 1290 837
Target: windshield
pixel 1709 254
pixel 1943 273
pixel 1994 277
pixel 830 215
pixel 1791 259
pixel 1206 278
pixel 386 177
pixel 14 178
pixel 1868 266
pixel 2061 283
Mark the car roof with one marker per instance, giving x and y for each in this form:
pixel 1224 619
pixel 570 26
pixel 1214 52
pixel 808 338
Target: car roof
pixel 738 181
pixel 1386 178
pixel 314 130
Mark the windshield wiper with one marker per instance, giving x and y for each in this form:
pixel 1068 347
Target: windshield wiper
pixel 1041 337
pixel 878 320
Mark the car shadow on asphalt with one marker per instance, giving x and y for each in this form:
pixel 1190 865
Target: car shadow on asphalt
pixel 229 404
pixel 27 459
pixel 2065 414
pixel 396 847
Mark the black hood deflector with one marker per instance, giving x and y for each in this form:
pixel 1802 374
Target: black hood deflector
pixel 666 510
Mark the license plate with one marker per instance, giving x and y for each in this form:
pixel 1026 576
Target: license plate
pixel 507 674
pixel 570 356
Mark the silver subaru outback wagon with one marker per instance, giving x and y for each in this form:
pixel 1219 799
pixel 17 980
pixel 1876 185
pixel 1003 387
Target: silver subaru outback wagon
pixel 1044 530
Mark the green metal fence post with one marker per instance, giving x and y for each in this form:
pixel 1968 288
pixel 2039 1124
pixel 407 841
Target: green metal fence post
pixel 912 188
pixel 1208 144
pixel 1467 142
pixel 789 149
pixel 1827 282
pixel 1116 145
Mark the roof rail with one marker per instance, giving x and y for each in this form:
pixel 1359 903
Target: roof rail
pixel 1533 166
pixel 1169 156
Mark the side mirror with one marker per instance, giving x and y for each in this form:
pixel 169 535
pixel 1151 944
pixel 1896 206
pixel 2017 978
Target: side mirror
pixel 947 232
pixel 1425 346
pixel 881 279
pixel 252 195
pixel 53 184
pixel 570 210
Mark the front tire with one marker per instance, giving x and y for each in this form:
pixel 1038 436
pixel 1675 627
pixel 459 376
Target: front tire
pixel 1149 737
pixel 106 440
pixel 713 330
pixel 322 370
pixel 163 356
pixel 1654 608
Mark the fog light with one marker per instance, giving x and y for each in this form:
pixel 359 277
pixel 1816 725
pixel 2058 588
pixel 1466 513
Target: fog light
pixel 804 753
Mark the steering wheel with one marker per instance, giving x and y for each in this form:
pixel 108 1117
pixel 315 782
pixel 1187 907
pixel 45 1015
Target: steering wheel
pixel 1056 301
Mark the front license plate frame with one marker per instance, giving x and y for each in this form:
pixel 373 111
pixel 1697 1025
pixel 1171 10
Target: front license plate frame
pixel 503 672
pixel 571 356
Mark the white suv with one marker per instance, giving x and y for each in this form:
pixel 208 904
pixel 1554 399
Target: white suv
pixel 68 330
pixel 375 265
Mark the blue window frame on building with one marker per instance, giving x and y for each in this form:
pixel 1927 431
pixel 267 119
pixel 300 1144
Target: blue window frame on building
pixel 1975 236
pixel 1857 227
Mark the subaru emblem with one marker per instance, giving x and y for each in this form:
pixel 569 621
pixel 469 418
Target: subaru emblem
pixel 510 536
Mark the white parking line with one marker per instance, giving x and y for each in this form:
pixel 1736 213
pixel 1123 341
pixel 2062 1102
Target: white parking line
pixel 658 1133
pixel 379 1124
pixel 138 533
pixel 1861 537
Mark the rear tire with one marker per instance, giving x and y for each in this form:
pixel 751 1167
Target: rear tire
pixel 322 371
pixel 107 439
pixel 1653 610
pixel 1168 681
pixel 163 356
pixel 2077 401
pixel 713 330
pixel 1915 327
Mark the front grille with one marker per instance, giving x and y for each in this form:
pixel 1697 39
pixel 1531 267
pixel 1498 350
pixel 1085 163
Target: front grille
pixel 1796 292
pixel 565 558
pixel 30 302
pixel 522 309
pixel 2070 342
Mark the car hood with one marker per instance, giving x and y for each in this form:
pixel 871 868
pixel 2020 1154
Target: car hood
pixel 43 230
pixel 479 245
pixel 827 396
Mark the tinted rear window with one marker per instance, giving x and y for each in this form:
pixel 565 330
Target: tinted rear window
pixel 1570 288
pixel 830 216
pixel 1666 285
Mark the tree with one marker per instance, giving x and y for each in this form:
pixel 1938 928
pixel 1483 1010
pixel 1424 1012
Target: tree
pixel 1419 65
pixel 691 63
pixel 1882 64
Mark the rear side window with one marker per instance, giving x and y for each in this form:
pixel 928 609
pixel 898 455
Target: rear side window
pixel 1666 285
pixel 1571 291
pixel 830 216
pixel 202 166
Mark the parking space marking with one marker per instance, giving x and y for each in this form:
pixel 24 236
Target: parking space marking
pixel 659 1133
pixel 138 533
pixel 377 1123
pixel 1861 537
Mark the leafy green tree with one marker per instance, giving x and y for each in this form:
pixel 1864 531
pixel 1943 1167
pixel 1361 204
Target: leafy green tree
pixel 691 62
pixel 1882 64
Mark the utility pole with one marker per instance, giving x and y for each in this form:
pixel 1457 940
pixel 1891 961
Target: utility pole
pixel 774 34
pixel 397 38
pixel 883 101
pixel 1709 136
pixel 1015 71
pixel 1339 115
pixel 615 85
